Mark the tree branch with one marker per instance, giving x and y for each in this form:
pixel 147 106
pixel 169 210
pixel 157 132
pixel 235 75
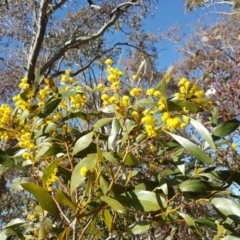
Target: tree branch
pixel 35 48
pixel 56 6
pixel 78 41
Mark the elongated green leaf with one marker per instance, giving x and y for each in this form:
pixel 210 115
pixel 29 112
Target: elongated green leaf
pixel 225 128
pixel 82 143
pixel 16 183
pixel 45 227
pixel 209 222
pixel 188 105
pixel 139 228
pixel 190 222
pixel 143 200
pixel 49 108
pixel 62 198
pixel 37 79
pixel 77 179
pixel 109 157
pixel 43 197
pixel 48 171
pixel 53 150
pixel 228 208
pixel 114 204
pixel 16 222
pixel 114 132
pixel 101 123
pixel 214 118
pixel 69 94
pixel 6 161
pixel 145 102
pixel 192 148
pixel 204 132
pixel 107 217
pixel 199 186
pixel 80 115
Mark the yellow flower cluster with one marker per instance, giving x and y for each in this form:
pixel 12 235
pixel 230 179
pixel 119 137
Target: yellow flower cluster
pixel 26 140
pixel 193 93
pixel 174 121
pixel 153 92
pixel 234 146
pixel 79 100
pixel 56 117
pixel 135 116
pixel 122 105
pixel 84 171
pixel 31 217
pixel 24 104
pixel 66 78
pixel 107 99
pixel 28 156
pixel 43 95
pixel 114 76
pixel 135 92
pixel 5 119
pixel 53 178
pixel 149 122
pixel 24 84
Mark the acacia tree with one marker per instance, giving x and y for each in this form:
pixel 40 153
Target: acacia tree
pixel 127 173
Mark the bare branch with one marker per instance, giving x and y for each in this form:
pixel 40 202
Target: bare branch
pixel 56 6
pixel 35 49
pixel 78 41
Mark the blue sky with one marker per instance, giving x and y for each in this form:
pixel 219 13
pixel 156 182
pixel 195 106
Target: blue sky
pixel 170 13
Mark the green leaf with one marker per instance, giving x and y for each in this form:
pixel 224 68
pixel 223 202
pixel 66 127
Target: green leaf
pixel 45 227
pixel 192 148
pixel 62 198
pixel 82 143
pixel 214 118
pixel 72 115
pixel 15 223
pixel 139 228
pixel 43 197
pixel 204 132
pixel 109 157
pixel 107 217
pixel 53 150
pixel 188 105
pixel 6 161
pixel 225 128
pixel 49 170
pixel 114 132
pixel 104 184
pixel 77 179
pixel 142 200
pixel 199 186
pixel 49 108
pixel 228 208
pixel 101 123
pixel 145 102
pixel 37 79
pixel 69 94
pixel 114 204
pixel 190 222
pixel 209 222
pixel 16 183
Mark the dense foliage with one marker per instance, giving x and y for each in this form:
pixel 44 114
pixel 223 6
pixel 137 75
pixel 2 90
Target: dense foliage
pixel 129 173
